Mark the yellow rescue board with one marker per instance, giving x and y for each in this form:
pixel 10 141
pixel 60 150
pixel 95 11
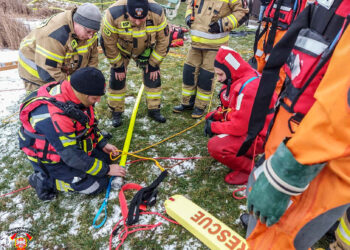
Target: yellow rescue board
pixel 211 231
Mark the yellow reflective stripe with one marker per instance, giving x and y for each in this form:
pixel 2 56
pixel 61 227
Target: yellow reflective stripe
pixel 233 20
pixel 63 186
pixel 100 138
pixel 233 1
pixel 26 42
pixel 187 92
pixel 66 141
pixel 109 26
pixel 36 160
pixel 96 167
pixel 157 56
pixel 55 90
pixel 188 12
pixel 153 95
pixel 32 158
pixel 202 96
pixel 127 32
pixel 28 68
pixel 34 119
pixel 115 59
pixel 198 39
pixel 139 33
pixel 21 135
pixel 115 97
pixel 157 28
pixel 343 232
pixel 48 54
pixel 123 50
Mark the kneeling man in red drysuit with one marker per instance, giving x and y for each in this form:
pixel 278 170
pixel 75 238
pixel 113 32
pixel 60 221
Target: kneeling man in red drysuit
pixel 229 122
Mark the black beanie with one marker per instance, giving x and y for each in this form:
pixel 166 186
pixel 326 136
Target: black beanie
pixel 138 9
pixel 88 81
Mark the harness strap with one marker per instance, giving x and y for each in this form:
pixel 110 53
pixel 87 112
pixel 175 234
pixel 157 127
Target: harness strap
pixel 145 196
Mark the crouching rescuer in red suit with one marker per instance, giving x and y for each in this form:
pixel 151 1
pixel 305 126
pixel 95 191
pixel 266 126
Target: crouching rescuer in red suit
pixel 60 137
pixel 229 122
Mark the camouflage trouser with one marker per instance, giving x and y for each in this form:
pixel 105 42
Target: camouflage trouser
pixel 117 90
pixel 198 75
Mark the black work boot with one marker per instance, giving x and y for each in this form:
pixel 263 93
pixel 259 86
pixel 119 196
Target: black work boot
pixel 156 115
pixel 116 119
pixel 182 107
pixel 197 113
pixel 45 193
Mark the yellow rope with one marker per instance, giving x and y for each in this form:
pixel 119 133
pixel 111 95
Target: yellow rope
pixel 183 131
pixel 137 156
pixel 7 118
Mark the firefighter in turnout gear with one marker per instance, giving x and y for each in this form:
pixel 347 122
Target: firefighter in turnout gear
pixel 60 137
pixel 138 30
pixel 211 22
pixel 59 46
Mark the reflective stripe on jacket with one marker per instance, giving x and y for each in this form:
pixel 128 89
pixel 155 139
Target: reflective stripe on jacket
pixel 207 11
pixel 52 51
pixel 123 40
pixel 49 136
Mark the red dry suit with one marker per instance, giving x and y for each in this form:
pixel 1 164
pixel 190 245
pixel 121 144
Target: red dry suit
pixel 231 118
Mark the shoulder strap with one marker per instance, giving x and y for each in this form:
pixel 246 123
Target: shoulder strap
pixel 270 77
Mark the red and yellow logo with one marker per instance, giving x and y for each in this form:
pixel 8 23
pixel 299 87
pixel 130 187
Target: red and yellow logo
pixel 21 237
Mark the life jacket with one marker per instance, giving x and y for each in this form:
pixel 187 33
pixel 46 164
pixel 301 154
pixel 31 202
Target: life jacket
pixel 304 53
pixel 35 145
pixel 278 16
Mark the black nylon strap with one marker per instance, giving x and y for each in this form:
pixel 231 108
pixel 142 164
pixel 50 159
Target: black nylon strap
pixel 270 77
pixel 145 196
pixel 272 34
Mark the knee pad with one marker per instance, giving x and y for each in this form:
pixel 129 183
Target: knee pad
pixel 114 83
pixel 205 79
pixel 188 75
pixel 149 83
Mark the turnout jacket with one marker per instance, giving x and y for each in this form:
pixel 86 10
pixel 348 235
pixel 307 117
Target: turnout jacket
pixel 121 40
pixel 52 51
pixel 237 96
pixel 204 12
pixel 50 135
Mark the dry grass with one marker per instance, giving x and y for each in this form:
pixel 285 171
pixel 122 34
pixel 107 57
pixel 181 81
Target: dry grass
pixel 14 7
pixel 11 31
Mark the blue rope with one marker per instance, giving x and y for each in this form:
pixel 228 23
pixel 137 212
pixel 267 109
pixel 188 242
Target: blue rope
pixel 103 206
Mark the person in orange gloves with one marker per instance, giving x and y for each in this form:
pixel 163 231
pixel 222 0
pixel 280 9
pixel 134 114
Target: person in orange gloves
pixel 229 122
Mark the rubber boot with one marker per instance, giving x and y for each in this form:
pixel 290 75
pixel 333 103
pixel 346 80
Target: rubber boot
pixel 197 113
pixel 44 193
pixel 156 115
pixel 237 178
pixel 117 119
pixel 244 218
pixel 183 107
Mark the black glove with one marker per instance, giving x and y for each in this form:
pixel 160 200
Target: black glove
pixel 121 69
pixel 188 21
pixel 216 27
pixel 207 128
pixel 152 69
